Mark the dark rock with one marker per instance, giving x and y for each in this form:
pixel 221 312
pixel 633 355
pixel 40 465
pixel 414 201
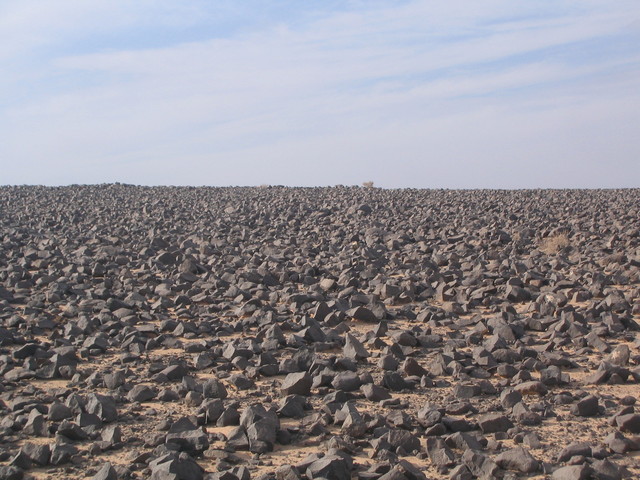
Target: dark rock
pixel 518 459
pixel 141 393
pixel 262 435
pixel 629 423
pixel 298 383
pixel 494 422
pixel 292 406
pixel 573 450
pixel 114 380
pixel 175 467
pixel 509 398
pixel 111 434
pixel 106 472
pixel 586 407
pixel 230 416
pixel 261 428
pixel 412 367
pixel 36 424
pixel 213 388
pixel 375 393
pixel 532 388
pixel 104 406
pixel 237 439
pixel 618 443
pixel 462 392
pixel 606 470
pixel 455 424
pixel 61 453
pixel 394 381
pixel 572 472
pixel 346 381
pixel 461 472
pixel 213 409
pixel 38 453
pixel 363 314
pixel 194 442
pixel 287 472
pixel 480 465
pixel 59 411
pixel 330 467
pixel 71 431
pixel 463 441
pixel 404 470
pixel 354 349
pixel 21 460
pixel 402 439
pixel 8 472
pixel 439 453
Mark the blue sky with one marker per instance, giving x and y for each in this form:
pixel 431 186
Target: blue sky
pixel 456 94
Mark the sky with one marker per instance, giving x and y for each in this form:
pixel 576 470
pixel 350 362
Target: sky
pixel 405 94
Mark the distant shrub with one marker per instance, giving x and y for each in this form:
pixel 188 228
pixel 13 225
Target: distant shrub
pixel 554 243
pixel 368 184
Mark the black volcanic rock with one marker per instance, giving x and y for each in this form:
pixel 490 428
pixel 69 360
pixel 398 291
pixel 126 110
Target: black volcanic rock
pixel 177 325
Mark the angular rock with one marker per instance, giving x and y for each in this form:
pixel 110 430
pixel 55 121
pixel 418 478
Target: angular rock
pixel 104 406
pixel 330 467
pixel 297 383
pixel 518 459
pixel 346 381
pixel 480 465
pixel 106 472
pixel 375 393
pixel 194 442
pixel 586 407
pixel 175 467
pixel 572 472
pixel 353 349
pixel 141 393
pixel 8 472
pixel 213 388
pixel 629 422
pixel 494 422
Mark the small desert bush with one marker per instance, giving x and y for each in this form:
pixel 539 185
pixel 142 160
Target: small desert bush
pixel 367 184
pixel 554 243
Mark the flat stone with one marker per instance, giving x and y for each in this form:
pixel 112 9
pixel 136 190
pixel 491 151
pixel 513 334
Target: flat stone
pixel 572 472
pixel 494 422
pixel 574 449
pixel 532 387
pixel 346 381
pixel 141 393
pixel 629 423
pixel 106 472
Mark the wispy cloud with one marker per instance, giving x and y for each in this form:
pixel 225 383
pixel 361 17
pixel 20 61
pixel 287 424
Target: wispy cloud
pixel 419 93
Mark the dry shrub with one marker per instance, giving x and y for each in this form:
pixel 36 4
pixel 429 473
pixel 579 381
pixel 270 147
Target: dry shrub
pixel 368 184
pixel 554 243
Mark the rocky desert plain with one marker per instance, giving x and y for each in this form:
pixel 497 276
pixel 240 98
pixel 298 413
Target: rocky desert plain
pixel 241 333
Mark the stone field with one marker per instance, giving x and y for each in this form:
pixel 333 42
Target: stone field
pixel 303 333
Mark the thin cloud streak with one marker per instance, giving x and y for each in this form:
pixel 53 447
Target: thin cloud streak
pixel 387 94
